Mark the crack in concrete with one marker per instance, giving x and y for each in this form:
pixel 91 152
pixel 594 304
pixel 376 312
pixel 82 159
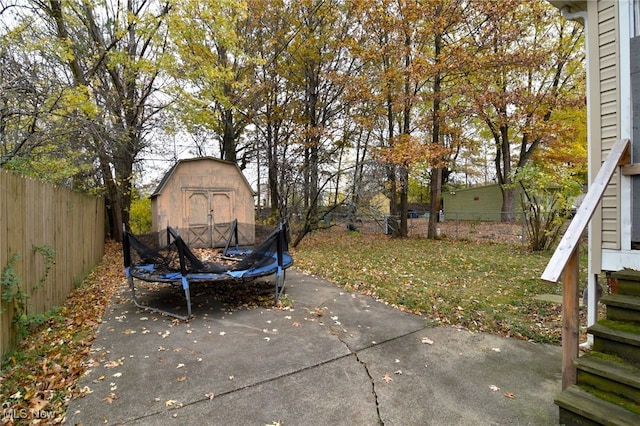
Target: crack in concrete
pixel 371 379
pixel 373 387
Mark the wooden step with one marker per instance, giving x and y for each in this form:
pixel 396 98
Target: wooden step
pixel 622 307
pixel 615 338
pixel 628 282
pixel 579 407
pixel 609 374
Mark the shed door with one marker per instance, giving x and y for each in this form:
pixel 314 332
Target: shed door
pixel 198 218
pixel 223 215
pixel 208 216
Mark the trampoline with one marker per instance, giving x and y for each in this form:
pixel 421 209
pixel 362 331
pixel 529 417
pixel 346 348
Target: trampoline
pixel 165 258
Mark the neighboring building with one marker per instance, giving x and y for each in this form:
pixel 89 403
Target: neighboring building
pixel 201 197
pixel 481 203
pixel 380 203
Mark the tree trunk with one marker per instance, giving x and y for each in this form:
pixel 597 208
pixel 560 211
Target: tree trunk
pixel 404 201
pixel 228 137
pixel 272 171
pixel 434 206
pixel 393 196
pixel 508 204
pixel 436 167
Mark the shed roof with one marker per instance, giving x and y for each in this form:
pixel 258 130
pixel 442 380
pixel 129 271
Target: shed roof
pixel 169 173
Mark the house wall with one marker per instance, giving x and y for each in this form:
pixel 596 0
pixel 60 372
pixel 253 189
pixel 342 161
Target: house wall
pixel 616 122
pixel 609 116
pixel 611 58
pixel 380 203
pixel 208 195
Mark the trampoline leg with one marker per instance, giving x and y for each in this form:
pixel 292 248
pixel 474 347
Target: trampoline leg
pixel 161 311
pixel 187 295
pixel 279 283
pixel 132 287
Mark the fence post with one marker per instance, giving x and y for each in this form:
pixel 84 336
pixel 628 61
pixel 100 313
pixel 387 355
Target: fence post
pixel 523 230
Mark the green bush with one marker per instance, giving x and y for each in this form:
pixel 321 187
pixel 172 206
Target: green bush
pixel 140 215
pixel 548 194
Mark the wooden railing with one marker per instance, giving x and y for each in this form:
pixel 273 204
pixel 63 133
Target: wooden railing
pixel 564 261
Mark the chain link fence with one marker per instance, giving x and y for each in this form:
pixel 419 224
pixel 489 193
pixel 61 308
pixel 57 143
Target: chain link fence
pixel 476 226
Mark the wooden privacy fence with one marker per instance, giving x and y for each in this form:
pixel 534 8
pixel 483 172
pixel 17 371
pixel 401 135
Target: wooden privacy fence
pixel 45 231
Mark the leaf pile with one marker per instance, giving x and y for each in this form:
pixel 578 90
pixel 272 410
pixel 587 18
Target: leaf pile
pixel 39 378
pixel 483 286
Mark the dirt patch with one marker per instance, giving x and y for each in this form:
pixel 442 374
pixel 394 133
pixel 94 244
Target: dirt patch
pixel 454 229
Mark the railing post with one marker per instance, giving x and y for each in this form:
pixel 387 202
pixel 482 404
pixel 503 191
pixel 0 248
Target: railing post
pixel 570 320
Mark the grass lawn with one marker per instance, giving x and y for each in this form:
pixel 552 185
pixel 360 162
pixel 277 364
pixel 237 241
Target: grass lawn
pixel 484 286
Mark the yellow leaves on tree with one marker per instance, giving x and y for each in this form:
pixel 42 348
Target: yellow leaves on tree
pixel 408 150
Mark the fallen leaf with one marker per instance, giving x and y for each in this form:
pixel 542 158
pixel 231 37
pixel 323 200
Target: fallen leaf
pixel 169 402
pixel 495 349
pixel 387 378
pixel 113 364
pixel 210 395
pixel 397 372
pixel 37 404
pixel 427 341
pixel 180 366
pixel 296 324
pixel 182 378
pixel 85 390
pixel 494 388
pixel 110 398
pixel 510 395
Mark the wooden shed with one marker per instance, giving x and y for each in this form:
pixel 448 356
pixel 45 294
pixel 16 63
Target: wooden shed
pixel 201 197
